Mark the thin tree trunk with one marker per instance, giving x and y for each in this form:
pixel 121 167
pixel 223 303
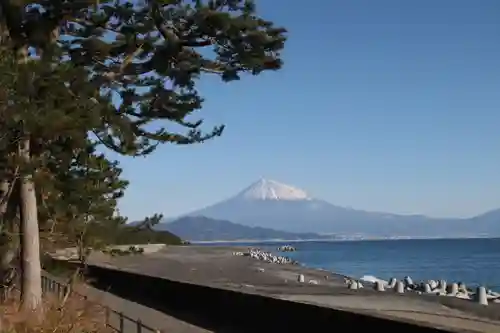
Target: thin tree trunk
pixel 6 189
pixel 31 286
pixel 8 247
pixel 4 200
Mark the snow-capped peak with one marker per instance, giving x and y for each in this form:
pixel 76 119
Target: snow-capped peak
pixel 265 189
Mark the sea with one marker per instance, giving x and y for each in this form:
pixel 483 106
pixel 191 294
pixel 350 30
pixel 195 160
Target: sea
pixel 472 261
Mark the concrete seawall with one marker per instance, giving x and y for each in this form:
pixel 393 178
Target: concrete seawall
pixel 222 310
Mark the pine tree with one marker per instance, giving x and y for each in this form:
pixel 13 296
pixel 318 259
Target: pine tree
pixel 35 109
pixel 80 198
pixel 148 56
pixel 62 163
pixel 17 143
pixel 136 66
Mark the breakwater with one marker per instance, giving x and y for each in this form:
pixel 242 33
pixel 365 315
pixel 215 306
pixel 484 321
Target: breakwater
pixel 480 295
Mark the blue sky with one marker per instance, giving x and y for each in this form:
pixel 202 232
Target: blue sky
pixel 383 105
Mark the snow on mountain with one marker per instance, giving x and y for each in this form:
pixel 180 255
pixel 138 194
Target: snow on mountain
pixel 272 190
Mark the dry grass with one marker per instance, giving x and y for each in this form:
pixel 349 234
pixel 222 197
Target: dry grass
pixel 76 314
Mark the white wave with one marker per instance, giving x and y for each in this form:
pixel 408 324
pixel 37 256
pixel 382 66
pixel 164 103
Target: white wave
pixel 372 279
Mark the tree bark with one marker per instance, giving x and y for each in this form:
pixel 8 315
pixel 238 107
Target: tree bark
pixel 31 285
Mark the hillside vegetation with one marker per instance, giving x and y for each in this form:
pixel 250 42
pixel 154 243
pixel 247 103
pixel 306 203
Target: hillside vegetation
pixel 132 235
pixel 199 228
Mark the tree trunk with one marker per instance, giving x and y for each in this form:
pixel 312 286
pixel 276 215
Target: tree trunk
pixel 31 284
pixel 12 14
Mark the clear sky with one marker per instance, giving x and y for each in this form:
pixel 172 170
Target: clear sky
pixel 384 105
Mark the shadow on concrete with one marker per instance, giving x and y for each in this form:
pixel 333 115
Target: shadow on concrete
pixel 224 311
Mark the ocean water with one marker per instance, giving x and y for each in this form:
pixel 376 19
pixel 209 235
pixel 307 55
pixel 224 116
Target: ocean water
pixel 472 261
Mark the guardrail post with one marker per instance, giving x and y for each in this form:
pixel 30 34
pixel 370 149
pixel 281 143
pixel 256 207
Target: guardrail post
pixel 122 324
pixel 106 311
pixel 139 326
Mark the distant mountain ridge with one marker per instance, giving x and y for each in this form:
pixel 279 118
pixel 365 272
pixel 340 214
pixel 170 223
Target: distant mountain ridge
pixel 199 228
pixel 273 205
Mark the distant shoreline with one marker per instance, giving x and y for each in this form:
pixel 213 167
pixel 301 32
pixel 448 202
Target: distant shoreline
pixel 337 239
pixel 263 241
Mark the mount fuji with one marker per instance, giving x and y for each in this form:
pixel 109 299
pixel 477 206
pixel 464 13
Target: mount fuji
pixel 271 204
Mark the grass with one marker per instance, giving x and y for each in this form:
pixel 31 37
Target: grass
pixel 73 315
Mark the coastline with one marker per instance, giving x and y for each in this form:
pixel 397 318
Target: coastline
pixel 341 239
pixel 260 241
pixel 360 260
pixel 217 266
